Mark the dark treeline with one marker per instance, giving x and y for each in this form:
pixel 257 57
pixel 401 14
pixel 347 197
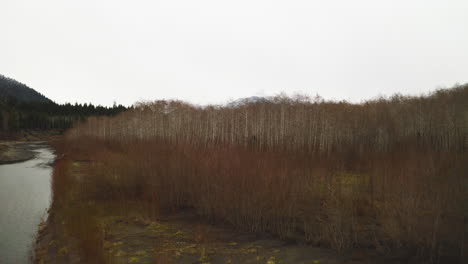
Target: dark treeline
pixel 48 115
pixel 23 108
pixel 16 115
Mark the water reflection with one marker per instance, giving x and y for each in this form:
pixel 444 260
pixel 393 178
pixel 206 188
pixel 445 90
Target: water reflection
pixel 24 198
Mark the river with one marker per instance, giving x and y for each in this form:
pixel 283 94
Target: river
pixel 25 196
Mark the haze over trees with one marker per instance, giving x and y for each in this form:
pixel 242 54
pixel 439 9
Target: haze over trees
pixel 389 174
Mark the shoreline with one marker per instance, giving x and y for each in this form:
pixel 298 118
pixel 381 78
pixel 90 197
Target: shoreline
pixel 15 152
pixel 21 147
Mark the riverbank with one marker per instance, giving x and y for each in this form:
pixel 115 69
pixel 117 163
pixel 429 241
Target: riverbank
pixel 17 148
pixel 14 151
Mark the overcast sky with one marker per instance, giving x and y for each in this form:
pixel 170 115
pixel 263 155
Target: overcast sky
pixel 210 51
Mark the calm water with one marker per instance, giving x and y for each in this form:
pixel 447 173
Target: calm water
pixel 24 199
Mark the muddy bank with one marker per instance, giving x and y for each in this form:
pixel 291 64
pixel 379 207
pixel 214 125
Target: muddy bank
pixel 30 135
pixel 13 152
pixel 20 146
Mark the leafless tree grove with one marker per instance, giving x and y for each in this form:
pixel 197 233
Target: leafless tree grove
pixel 389 173
pixel 438 122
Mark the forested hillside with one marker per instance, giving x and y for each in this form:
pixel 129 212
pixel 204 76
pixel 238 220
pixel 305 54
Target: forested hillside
pixel 14 90
pixel 23 108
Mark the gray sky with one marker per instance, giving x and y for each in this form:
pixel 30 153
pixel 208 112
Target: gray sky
pixel 209 51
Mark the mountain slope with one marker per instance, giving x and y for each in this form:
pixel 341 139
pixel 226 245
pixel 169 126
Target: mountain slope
pixel 10 88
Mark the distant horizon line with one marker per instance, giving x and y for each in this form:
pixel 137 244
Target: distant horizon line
pixel 228 101
pixel 267 96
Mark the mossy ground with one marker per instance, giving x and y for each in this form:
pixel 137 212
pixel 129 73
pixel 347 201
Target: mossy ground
pixel 181 238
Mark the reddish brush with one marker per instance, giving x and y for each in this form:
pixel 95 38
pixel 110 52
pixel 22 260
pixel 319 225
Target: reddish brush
pixel 388 174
